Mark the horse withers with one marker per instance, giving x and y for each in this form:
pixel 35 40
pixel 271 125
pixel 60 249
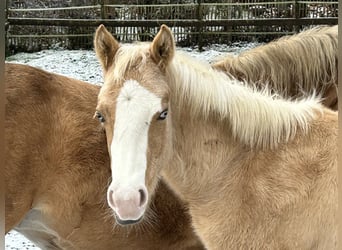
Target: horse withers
pixel 258 171
pixel 57 171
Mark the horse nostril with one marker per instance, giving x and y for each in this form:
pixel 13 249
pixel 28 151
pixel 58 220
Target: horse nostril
pixel 110 199
pixel 142 197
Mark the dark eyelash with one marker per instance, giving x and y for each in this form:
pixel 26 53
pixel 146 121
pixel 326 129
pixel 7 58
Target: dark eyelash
pixel 100 117
pixel 162 114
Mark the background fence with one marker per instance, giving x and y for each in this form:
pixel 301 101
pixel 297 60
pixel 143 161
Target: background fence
pixel 33 25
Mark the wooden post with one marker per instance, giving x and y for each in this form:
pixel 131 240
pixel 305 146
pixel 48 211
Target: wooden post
pixel 6 14
pixel 228 28
pixel 6 28
pixel 296 16
pixel 200 26
pixel 103 16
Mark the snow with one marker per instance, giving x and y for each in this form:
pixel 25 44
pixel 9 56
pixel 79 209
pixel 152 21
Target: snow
pixel 83 65
pixel 16 241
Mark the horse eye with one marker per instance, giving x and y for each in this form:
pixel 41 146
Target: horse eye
pixel 100 117
pixel 162 115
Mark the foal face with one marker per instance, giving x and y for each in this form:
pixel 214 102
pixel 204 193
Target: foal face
pixel 132 107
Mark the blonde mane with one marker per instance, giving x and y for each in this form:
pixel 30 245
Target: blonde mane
pixel 257 118
pixel 292 65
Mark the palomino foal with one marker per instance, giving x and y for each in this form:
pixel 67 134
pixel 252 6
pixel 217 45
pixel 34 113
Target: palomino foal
pixel 258 171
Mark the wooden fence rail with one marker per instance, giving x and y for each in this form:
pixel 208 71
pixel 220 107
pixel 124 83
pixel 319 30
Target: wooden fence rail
pixel 192 23
pixel 174 22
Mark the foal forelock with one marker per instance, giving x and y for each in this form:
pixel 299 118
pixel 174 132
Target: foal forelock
pixel 128 56
pixel 258 119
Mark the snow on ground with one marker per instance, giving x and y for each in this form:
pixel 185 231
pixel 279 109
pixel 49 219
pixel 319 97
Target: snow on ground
pixel 16 241
pixel 83 65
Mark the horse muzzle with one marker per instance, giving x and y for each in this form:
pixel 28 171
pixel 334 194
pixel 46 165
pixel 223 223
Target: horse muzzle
pixel 129 204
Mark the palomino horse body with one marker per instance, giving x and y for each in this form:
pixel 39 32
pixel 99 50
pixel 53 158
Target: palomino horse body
pixel 57 170
pixel 258 171
pixel 292 65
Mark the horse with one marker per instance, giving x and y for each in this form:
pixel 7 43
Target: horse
pixel 292 65
pixel 257 171
pixel 57 171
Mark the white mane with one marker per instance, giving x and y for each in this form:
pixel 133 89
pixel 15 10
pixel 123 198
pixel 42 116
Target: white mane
pixel 258 119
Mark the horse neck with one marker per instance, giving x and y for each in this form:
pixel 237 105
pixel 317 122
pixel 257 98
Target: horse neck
pixel 196 138
pixel 205 157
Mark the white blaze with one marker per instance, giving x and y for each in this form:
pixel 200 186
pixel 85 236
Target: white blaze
pixel 135 108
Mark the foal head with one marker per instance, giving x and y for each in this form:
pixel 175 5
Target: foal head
pixel 133 109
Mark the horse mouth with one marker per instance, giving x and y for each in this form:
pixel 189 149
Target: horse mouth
pixel 127 222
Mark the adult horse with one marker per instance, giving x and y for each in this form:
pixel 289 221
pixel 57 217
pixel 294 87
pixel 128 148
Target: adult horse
pixel 258 171
pixel 57 170
pixel 292 65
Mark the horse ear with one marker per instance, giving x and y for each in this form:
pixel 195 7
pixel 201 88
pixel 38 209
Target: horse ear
pixel 105 47
pixel 163 47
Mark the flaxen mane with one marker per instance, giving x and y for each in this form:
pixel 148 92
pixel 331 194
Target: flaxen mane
pixel 292 65
pixel 258 119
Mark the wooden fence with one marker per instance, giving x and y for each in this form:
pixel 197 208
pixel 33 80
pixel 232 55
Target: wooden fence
pixel 62 24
